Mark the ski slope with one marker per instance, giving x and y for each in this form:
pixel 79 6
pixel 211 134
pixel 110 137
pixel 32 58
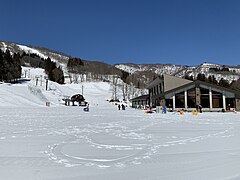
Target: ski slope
pixel 66 143
pixel 31 91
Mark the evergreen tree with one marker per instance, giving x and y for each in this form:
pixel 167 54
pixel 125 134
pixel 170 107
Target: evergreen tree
pixel 1 65
pixel 54 74
pixel 201 77
pixel 75 65
pixel 124 76
pixel 223 82
pixel 188 77
pixel 225 69
pixel 7 56
pixel 57 75
pixel 10 68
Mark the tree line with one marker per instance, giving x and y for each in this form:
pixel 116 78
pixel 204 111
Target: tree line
pixel 54 73
pixel 211 79
pixel 10 66
pixel 94 70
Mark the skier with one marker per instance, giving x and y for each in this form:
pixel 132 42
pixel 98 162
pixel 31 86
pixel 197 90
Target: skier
pixel 86 109
pixel 123 107
pixel 200 108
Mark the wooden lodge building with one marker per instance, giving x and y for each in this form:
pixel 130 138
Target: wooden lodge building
pixel 140 102
pixel 175 92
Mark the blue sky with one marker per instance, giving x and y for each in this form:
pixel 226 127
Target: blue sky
pixel 185 32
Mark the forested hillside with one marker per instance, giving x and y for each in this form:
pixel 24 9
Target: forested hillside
pixel 60 67
pixel 10 66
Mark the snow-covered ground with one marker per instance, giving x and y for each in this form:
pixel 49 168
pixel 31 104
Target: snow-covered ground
pixel 65 143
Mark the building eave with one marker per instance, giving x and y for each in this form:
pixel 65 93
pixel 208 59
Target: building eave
pixel 197 84
pixel 143 97
pixel 154 82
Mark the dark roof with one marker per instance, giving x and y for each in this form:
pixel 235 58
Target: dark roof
pixel 197 83
pixel 154 82
pixel 143 97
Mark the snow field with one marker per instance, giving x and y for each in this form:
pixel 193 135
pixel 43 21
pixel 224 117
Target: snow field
pixel 66 143
pixel 106 143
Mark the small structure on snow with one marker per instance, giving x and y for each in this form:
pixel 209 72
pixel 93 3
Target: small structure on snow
pixel 75 98
pixel 78 98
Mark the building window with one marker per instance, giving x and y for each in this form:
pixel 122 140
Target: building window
pixel 163 86
pixel 191 98
pixel 157 90
pixel 169 103
pixel 160 87
pixel 179 98
pixel 217 99
pixel 230 102
pixel 204 98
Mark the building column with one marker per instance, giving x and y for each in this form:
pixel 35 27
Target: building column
pixel 174 103
pixel 185 99
pixel 198 96
pixel 224 101
pixel 150 97
pixel 237 105
pixel 210 98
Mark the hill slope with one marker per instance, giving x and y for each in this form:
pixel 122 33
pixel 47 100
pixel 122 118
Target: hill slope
pixel 31 92
pixel 139 74
pixel 229 73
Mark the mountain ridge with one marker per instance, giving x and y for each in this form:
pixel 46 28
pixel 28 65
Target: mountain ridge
pixel 144 72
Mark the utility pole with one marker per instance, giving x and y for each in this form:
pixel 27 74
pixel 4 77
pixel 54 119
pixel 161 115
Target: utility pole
pixel 36 80
pixel 25 75
pixel 29 73
pixel 46 84
pixel 46 78
pixel 82 90
pixel 41 79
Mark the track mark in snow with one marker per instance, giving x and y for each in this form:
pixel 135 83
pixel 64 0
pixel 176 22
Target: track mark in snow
pixel 86 138
pixel 121 144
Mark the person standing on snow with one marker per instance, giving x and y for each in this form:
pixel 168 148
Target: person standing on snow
pixel 123 107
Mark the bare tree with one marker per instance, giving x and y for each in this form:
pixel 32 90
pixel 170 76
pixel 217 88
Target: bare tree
pixel 75 78
pixel 114 87
pixel 132 90
pixel 124 91
pixel 70 77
